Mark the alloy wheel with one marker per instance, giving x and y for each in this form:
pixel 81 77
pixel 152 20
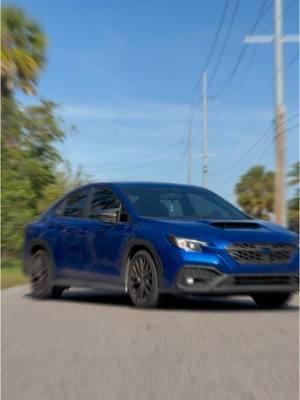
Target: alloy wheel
pixel 40 275
pixel 143 282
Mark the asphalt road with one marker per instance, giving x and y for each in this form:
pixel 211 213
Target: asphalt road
pixel 90 346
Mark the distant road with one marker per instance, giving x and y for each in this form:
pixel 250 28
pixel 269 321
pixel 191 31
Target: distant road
pixel 92 347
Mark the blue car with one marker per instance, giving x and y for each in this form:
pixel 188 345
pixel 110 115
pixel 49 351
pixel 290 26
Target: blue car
pixel 152 239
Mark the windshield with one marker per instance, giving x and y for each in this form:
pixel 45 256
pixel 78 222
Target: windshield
pixel 171 201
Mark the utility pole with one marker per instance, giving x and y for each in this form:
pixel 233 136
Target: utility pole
pixel 189 145
pixel 205 130
pixel 279 131
pixel 280 200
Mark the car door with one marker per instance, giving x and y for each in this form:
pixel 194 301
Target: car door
pixel 67 224
pixel 105 239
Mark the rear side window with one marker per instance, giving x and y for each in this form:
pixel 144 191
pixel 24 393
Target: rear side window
pixel 76 203
pixel 59 209
pixel 103 199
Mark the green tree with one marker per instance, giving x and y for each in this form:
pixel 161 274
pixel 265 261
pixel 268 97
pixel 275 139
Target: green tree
pixel 23 47
pixel 29 159
pixel 29 134
pixel 293 203
pixel 16 188
pixel 31 176
pixel 294 175
pixel 41 130
pixel 255 192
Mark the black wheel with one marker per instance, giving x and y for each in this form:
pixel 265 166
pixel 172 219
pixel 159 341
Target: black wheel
pixel 41 271
pixel 271 300
pixel 143 285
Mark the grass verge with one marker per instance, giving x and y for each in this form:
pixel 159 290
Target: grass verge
pixel 12 275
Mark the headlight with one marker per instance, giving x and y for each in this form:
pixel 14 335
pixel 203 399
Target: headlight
pixel 188 244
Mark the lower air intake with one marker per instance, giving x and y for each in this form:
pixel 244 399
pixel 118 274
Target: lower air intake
pixel 263 280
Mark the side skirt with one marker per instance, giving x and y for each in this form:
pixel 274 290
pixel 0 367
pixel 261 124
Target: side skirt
pixel 107 286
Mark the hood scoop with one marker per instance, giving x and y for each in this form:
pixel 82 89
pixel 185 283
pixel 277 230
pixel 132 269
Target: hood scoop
pixel 235 225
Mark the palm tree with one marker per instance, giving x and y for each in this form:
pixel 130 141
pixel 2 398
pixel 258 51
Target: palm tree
pixel 294 174
pixel 22 53
pixel 255 192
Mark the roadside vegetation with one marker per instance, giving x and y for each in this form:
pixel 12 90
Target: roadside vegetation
pixel 33 172
pixel 12 275
pixel 255 194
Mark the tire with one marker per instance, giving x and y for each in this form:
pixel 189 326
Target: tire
pixel 143 285
pixel 271 300
pixel 41 273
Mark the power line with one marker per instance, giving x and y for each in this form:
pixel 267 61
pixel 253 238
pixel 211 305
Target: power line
pixel 121 168
pixel 212 49
pixel 223 171
pixel 261 14
pixel 210 54
pixel 139 157
pixel 266 147
pixel 266 5
pixel 225 42
pixel 243 76
pixel 253 147
pixel 278 39
pixel 262 96
pixel 220 25
pixel 204 98
pixel 224 111
pixel 287 9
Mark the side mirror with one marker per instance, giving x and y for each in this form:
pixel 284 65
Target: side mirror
pixel 111 215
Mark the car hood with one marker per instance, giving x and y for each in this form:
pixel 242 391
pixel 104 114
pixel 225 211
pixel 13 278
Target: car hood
pixel 250 231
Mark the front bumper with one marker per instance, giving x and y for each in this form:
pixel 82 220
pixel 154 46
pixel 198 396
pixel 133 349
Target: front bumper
pixel 211 281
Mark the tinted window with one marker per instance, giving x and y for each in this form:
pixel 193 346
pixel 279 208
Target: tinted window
pixel 103 200
pixel 76 203
pixel 172 201
pixel 59 209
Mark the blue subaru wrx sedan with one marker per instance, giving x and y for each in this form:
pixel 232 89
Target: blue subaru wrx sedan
pixel 149 239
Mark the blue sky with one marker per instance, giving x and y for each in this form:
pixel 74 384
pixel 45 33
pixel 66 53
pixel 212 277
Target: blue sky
pixel 124 73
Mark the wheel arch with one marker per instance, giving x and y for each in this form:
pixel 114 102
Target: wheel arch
pixel 33 246
pixel 132 247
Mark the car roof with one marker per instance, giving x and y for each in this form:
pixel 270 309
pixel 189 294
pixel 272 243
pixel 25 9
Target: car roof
pixel 138 183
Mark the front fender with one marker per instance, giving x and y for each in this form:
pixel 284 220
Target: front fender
pixel 149 246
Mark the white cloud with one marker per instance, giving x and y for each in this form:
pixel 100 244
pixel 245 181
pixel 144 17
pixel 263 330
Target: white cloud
pixel 142 111
pixel 127 111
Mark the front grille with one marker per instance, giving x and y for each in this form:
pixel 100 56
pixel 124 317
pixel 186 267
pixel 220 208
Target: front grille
pixel 264 280
pixel 249 253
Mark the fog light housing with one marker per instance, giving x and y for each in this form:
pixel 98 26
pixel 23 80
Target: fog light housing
pixel 197 276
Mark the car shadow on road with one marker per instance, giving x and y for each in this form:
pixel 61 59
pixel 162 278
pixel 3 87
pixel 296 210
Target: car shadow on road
pixel 171 303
